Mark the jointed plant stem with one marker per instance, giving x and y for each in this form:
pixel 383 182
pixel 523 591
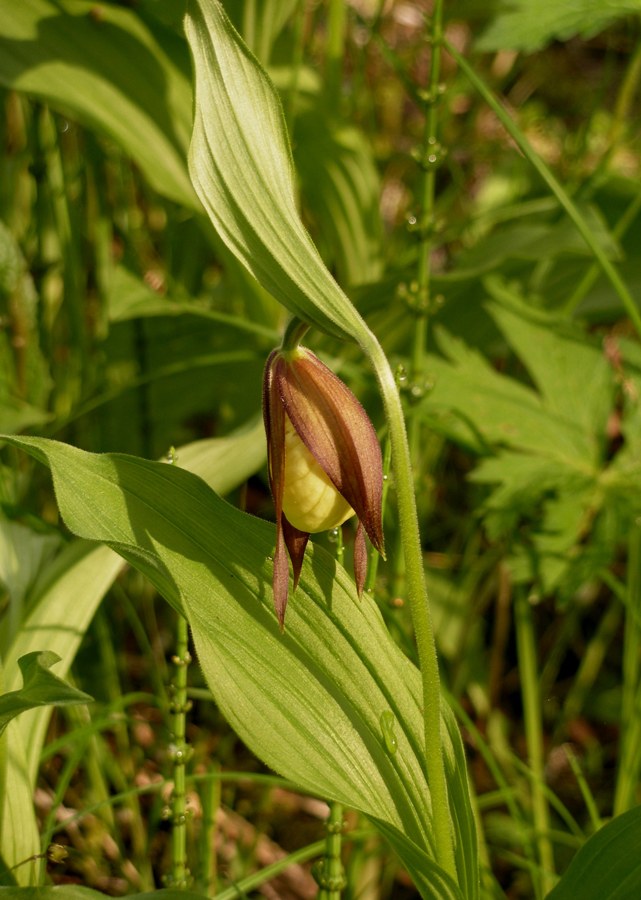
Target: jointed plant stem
pixel 430 158
pixel 330 873
pixel 180 876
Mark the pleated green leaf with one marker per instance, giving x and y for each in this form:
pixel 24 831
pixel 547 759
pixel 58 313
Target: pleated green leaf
pixel 241 167
pixel 310 702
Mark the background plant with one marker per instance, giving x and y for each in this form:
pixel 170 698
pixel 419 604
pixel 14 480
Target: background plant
pixel 118 299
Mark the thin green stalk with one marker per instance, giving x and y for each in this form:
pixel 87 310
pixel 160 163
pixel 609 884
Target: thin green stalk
pixel 565 201
pixel 180 877
pixel 591 664
pixel 630 755
pixel 528 669
pixel 586 793
pixel 594 271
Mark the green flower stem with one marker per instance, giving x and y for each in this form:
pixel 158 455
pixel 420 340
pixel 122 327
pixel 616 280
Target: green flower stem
pixel 419 603
pixel 294 334
pixel 563 198
pixel 180 877
pixel 526 649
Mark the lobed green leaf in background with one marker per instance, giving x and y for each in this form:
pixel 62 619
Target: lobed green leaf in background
pixel 529 25
pixel 544 448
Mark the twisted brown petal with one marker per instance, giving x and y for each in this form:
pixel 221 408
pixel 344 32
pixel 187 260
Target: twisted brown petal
pixel 296 542
pixel 274 417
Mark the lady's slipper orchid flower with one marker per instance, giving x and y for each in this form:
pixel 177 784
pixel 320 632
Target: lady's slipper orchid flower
pixel 324 463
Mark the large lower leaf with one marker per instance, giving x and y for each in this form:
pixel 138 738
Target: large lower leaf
pixel 310 701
